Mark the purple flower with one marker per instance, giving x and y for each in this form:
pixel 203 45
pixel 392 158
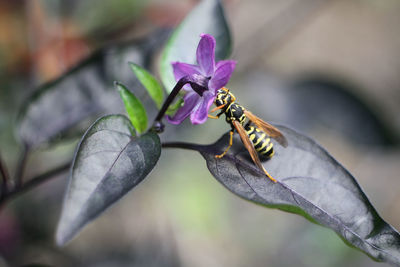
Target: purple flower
pixel 215 75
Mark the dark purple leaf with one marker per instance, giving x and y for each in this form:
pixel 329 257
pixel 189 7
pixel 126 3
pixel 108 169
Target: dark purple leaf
pixel 310 183
pixel 108 163
pixel 67 106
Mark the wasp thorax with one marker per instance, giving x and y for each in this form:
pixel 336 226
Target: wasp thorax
pixel 223 98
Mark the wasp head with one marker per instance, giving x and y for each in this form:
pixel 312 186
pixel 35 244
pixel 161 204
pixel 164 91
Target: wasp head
pixel 224 97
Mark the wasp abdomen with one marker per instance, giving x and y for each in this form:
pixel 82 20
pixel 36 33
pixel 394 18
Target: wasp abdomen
pixel 261 141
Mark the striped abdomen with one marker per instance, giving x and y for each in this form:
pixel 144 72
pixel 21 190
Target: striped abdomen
pixel 261 141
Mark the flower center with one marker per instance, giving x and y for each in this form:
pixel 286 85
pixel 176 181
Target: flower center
pixel 199 83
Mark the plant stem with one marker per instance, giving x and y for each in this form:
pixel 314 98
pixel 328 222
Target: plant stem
pixel 19 171
pixel 32 183
pixel 183 145
pixel 38 180
pixel 197 85
pixel 4 174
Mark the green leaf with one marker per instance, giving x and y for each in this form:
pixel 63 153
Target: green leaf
pixel 311 183
pixel 108 163
pixel 150 83
pixel 134 108
pixel 206 17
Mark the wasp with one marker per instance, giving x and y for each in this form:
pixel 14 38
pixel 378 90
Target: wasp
pixel 253 131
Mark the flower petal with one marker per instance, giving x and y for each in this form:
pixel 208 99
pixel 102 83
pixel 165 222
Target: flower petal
pixel 183 69
pixel 190 101
pixel 222 74
pixel 205 54
pixel 200 112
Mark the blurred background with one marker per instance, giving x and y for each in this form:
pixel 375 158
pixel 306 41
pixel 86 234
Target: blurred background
pixel 329 68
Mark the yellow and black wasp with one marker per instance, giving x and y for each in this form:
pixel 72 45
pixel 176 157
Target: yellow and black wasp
pixel 253 131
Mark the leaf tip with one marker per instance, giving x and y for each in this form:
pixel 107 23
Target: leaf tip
pixel 119 86
pixel 136 69
pixel 133 65
pixel 62 237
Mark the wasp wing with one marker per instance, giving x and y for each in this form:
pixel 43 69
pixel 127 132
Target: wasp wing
pixel 247 143
pixel 267 128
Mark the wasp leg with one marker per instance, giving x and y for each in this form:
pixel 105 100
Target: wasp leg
pixel 213 117
pixel 217 116
pixel 269 176
pixel 217 108
pixel 227 149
